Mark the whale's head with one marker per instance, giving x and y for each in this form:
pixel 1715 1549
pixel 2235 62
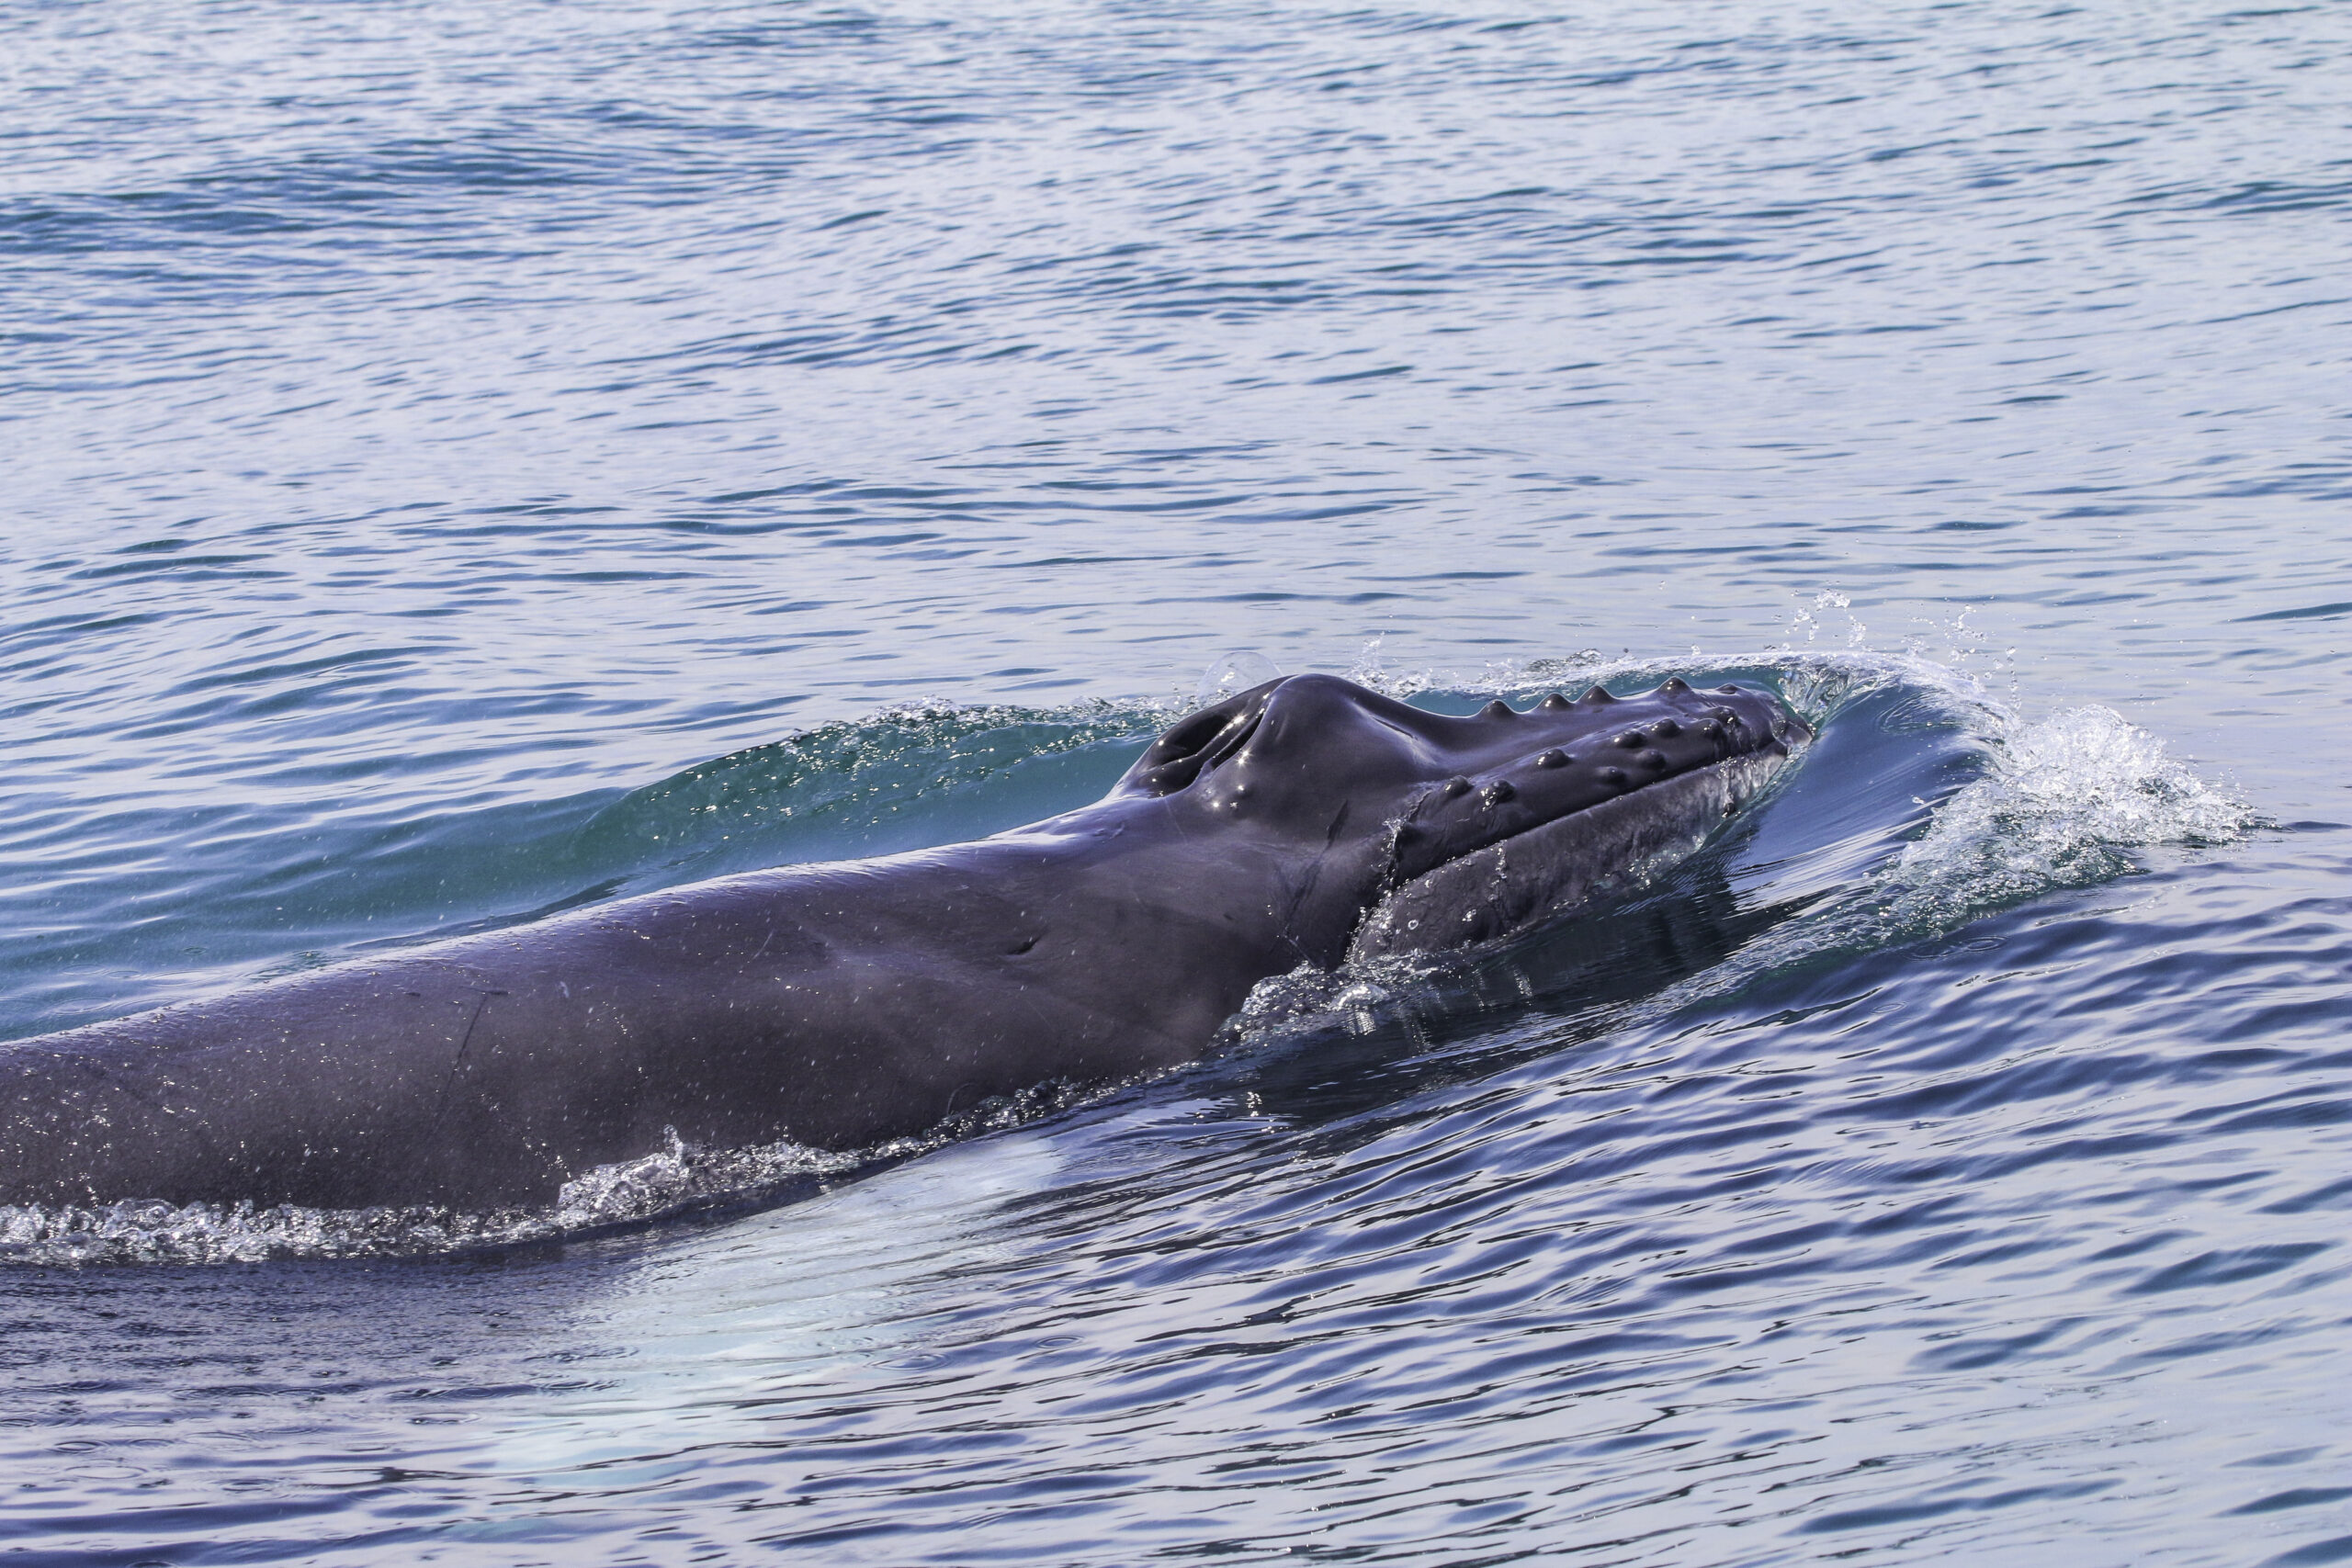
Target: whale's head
pixel 1390 804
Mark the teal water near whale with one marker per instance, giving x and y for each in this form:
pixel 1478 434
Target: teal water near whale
pixel 470 462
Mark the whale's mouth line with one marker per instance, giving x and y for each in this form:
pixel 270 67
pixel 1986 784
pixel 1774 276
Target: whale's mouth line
pixel 1574 861
pixel 1396 880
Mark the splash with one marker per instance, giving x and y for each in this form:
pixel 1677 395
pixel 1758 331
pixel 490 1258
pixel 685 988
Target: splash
pixel 1357 998
pixel 676 1180
pixel 2067 801
pixel 137 1230
pixel 2063 803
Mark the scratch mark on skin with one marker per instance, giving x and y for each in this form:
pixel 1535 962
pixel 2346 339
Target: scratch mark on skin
pixel 441 1105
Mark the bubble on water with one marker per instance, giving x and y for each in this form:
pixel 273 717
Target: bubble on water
pixel 1234 671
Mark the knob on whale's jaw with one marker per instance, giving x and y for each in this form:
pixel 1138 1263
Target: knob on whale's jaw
pixel 1639 740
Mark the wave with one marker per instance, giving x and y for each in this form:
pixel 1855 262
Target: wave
pixel 1924 804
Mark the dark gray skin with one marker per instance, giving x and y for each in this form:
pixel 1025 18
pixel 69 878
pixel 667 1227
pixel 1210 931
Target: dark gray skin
pixel 841 1005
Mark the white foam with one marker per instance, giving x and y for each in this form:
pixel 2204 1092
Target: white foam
pixel 676 1178
pixel 2063 803
pixel 2064 798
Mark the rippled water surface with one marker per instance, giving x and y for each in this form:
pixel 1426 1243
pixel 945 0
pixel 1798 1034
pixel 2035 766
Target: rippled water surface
pixel 473 460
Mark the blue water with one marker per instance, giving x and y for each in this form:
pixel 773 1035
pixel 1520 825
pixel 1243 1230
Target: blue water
pixel 472 460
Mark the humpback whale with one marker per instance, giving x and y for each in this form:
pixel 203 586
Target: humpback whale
pixel 1308 821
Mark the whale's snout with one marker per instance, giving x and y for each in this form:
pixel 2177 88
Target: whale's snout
pixel 1575 755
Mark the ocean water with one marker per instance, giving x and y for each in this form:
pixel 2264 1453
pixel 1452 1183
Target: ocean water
pixel 472 460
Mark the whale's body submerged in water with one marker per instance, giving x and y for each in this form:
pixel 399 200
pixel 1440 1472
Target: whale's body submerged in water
pixel 1305 822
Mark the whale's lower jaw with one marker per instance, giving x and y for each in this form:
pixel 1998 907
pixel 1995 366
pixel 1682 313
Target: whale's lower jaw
pixel 1603 852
